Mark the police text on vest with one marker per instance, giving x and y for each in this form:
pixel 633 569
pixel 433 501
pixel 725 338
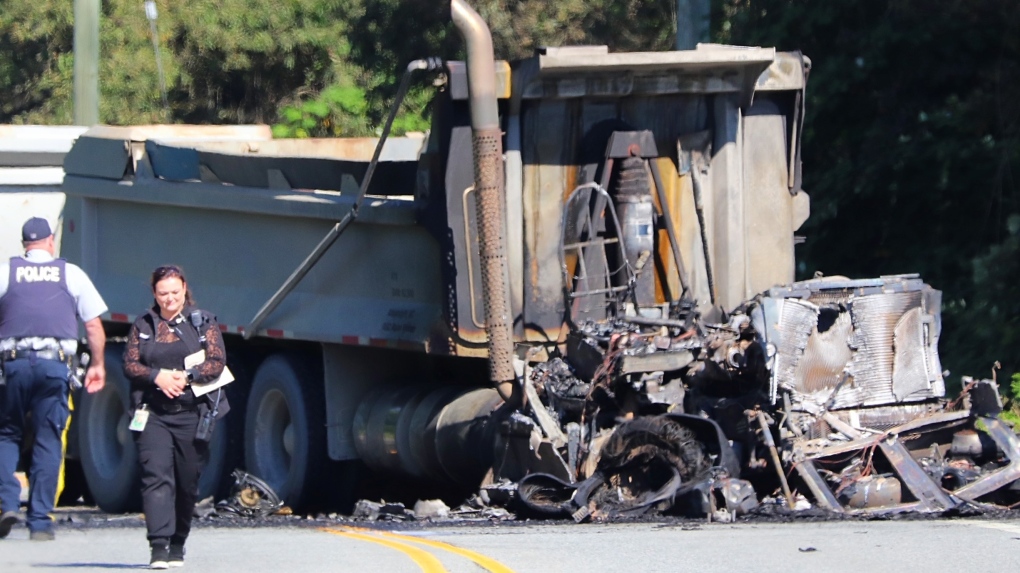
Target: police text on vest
pixel 36 274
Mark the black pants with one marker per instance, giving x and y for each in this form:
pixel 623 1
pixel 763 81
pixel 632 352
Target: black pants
pixel 171 463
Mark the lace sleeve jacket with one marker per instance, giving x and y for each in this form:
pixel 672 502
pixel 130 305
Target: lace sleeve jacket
pixel 155 343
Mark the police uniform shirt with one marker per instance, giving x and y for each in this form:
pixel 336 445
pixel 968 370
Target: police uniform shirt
pixel 87 300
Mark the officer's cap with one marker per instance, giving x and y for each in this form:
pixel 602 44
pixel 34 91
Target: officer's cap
pixel 35 229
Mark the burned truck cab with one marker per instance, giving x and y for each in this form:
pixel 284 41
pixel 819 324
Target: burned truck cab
pixel 665 353
pixel 696 152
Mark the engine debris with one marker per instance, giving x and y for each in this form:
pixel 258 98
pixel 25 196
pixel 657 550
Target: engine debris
pixel 827 393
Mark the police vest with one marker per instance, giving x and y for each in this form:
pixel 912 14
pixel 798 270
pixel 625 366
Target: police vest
pixel 37 302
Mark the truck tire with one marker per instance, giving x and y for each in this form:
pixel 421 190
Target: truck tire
pixel 226 451
pixel 285 429
pixel 211 478
pixel 76 489
pixel 109 459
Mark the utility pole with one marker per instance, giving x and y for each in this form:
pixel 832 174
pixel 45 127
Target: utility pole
pixel 152 14
pixel 86 62
pixel 692 23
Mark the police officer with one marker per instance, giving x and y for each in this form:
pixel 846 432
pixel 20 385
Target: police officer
pixel 41 299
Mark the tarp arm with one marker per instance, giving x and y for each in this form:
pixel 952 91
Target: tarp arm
pixel 428 64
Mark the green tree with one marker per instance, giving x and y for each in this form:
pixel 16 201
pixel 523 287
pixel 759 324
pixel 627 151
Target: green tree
pixel 35 62
pixel 336 111
pixel 231 61
pixel 243 61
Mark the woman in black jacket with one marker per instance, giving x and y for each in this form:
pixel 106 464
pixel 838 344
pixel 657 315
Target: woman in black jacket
pixel 167 411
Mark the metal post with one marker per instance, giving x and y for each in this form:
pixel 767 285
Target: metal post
pixel 151 13
pixel 86 62
pixel 692 23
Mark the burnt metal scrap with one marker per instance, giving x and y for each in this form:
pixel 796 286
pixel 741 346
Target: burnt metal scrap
pixel 250 497
pixel 828 391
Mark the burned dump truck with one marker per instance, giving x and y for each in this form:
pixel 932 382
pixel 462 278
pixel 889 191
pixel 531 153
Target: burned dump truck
pixel 827 392
pixel 568 285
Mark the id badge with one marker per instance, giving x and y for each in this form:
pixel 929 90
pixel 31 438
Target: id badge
pixel 141 418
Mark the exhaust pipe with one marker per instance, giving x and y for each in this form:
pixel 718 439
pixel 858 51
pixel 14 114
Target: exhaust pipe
pixel 487 145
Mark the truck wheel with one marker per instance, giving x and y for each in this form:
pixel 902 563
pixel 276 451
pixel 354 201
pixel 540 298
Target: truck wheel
pixel 76 490
pixel 285 429
pixel 209 482
pixel 226 451
pixel 108 455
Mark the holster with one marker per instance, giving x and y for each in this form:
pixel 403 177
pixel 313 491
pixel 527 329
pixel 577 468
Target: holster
pixel 75 371
pixel 207 418
pixel 206 425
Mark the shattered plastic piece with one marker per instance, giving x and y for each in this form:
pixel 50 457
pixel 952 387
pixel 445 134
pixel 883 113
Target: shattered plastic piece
pixel 367 510
pixel 205 508
pixel 431 509
pixel 496 513
pixel 380 511
pixel 394 510
pixel 738 494
pixel 722 516
pixel 475 511
pixel 581 514
pixel 500 493
pixel 801 503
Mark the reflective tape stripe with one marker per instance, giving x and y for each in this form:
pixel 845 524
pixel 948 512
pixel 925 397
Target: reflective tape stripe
pixel 348 339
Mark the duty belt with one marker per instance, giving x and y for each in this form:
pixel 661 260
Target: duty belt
pixel 173 407
pixel 8 355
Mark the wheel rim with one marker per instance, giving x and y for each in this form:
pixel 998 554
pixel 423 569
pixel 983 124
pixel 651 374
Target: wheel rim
pixel 274 439
pixel 108 432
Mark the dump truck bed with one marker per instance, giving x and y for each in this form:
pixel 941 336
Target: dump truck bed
pixel 240 216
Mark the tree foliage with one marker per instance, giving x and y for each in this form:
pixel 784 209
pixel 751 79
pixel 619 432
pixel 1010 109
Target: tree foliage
pixel 911 149
pixel 244 61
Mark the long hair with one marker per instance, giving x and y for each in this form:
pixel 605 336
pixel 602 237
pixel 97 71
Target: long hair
pixel 170 271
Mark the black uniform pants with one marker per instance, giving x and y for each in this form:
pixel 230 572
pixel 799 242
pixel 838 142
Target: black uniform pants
pixel 171 462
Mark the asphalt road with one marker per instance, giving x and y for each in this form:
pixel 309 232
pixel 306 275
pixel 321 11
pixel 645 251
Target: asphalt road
pixel 303 546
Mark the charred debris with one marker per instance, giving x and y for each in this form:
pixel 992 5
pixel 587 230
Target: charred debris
pixel 820 398
pixel 824 394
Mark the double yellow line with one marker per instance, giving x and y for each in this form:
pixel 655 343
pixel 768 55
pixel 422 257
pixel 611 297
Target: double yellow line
pixel 425 560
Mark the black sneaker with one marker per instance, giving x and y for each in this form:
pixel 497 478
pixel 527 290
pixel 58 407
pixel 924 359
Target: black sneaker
pixel 160 557
pixel 176 558
pixel 8 519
